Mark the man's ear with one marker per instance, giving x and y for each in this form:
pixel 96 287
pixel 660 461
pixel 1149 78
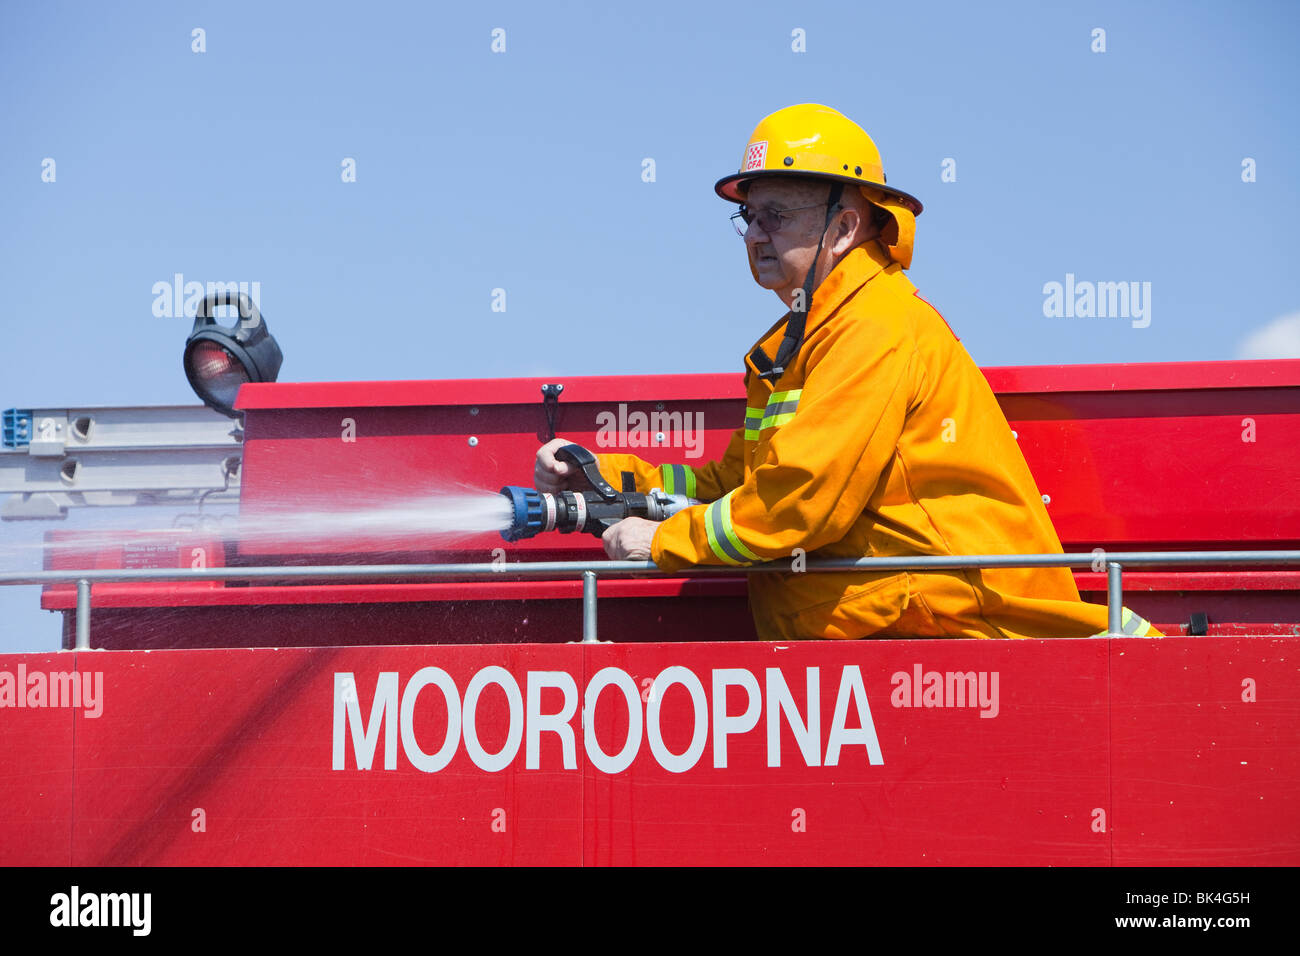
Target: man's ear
pixel 843 238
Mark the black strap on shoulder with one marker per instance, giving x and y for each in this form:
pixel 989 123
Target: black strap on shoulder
pixel 773 369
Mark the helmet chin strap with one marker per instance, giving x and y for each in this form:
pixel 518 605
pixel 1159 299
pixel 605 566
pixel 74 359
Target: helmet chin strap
pixel 773 369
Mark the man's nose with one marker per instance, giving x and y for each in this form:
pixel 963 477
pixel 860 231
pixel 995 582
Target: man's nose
pixel 754 233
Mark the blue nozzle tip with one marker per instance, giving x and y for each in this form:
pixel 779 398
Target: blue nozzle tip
pixel 526 512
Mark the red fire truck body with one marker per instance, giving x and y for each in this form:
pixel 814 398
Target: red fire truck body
pixel 396 720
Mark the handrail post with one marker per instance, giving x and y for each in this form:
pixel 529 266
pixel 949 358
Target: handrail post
pixel 83 615
pixel 589 607
pixel 1115 599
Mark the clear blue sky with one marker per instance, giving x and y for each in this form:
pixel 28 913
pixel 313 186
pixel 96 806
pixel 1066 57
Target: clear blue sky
pixel 522 170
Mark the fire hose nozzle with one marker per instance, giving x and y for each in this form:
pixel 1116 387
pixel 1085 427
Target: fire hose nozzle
pixel 527 512
pixel 594 510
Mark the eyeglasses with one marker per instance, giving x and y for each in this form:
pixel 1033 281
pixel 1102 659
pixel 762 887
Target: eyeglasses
pixel 769 220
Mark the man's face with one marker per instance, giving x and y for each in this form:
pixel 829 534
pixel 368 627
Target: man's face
pixel 781 259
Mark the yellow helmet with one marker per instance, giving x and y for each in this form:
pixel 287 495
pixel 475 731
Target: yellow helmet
pixel 814 141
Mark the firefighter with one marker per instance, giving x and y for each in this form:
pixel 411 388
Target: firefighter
pixel 868 431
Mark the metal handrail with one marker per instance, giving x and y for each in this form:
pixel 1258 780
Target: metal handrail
pixel 1114 562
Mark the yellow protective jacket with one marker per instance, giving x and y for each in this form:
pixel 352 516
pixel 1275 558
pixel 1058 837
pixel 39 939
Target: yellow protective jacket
pixel 882 438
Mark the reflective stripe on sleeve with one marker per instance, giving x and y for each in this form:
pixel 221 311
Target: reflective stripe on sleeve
pixel 780 416
pixel 780 409
pixel 1133 625
pixel 722 535
pixel 1130 624
pixel 678 480
pixel 753 423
